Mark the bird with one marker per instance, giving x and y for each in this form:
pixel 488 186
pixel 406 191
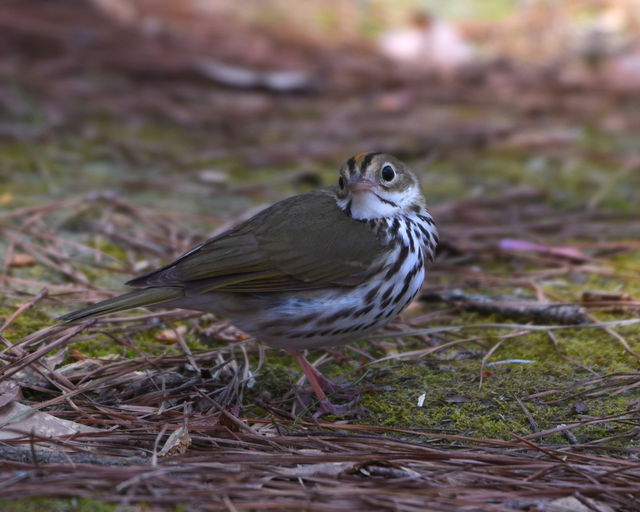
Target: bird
pixel 313 270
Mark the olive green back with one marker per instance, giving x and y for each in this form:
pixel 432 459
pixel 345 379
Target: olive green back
pixel 303 242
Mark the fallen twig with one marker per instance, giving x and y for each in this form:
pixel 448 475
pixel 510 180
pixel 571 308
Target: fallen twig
pixel 515 307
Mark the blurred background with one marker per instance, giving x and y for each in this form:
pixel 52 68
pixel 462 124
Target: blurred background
pixel 205 111
pixel 123 94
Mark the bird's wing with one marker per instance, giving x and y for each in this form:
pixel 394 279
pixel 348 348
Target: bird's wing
pixel 303 242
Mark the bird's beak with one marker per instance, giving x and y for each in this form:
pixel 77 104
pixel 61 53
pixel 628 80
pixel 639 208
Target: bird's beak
pixel 360 184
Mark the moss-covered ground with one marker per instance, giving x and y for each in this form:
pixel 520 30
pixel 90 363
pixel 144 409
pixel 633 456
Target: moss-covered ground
pixel 160 167
pixel 65 505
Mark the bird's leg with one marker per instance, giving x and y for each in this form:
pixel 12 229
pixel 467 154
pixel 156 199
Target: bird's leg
pixel 316 379
pixel 321 385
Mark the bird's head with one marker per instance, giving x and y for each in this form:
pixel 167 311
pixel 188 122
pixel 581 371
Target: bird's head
pixel 375 185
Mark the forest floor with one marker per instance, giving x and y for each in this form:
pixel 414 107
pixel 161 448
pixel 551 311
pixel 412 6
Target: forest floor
pixel 511 383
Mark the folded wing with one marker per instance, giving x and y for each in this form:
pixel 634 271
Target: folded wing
pixel 303 242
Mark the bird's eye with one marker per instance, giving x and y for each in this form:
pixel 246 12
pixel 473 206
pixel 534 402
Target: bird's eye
pixel 388 173
pixel 341 182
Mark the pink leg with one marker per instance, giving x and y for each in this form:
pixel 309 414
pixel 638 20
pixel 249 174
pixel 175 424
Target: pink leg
pixel 320 384
pixel 311 373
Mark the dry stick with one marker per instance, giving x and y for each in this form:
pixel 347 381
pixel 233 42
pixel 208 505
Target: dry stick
pixel 14 368
pixel 7 261
pixel 31 359
pixel 626 388
pixel 604 388
pixel 422 352
pixel 488 355
pixel 78 390
pixel 57 380
pixel 66 241
pixel 570 426
pixel 34 337
pixel 237 421
pixel 24 307
pixel 630 166
pixel 565 313
pixel 540 295
pixel 43 209
pixel 374 428
pixel 450 328
pixel 556 346
pixel 156 443
pixel 539 448
pixel 631 433
pixel 136 243
pixel 229 504
pixel 185 348
pixel 570 436
pixel 64 267
pixel 527 413
pixel 178 314
pixel 618 337
pixel 143 355
pixel 485 358
pixel 62 289
pixel 550 453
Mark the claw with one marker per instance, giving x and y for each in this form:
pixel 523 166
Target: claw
pixel 326 407
pixel 321 386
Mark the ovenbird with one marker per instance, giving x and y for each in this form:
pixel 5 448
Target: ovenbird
pixel 312 270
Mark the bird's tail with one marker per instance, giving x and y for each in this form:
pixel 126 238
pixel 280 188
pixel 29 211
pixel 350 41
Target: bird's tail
pixel 137 298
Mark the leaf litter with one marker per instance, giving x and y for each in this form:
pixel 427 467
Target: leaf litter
pixel 168 421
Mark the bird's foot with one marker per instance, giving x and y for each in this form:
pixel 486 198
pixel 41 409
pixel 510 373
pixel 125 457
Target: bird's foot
pixel 327 407
pixel 323 387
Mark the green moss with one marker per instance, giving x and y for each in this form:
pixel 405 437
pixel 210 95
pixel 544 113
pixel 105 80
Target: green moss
pixel 63 505
pixel 80 505
pixel 24 324
pixel 276 377
pixel 146 342
pixel 456 404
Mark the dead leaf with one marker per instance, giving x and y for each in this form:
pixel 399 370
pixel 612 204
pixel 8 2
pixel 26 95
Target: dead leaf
pixel 177 444
pixel 21 259
pixel 321 469
pixel 571 504
pixel 31 376
pixel 172 335
pixel 226 332
pixel 18 420
pixel 9 391
pixel 381 468
pixel 569 253
pixel 79 368
pixel 76 354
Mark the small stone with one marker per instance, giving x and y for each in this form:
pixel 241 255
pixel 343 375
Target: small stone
pixel 213 176
pixel 579 407
pixel 459 399
pixel 172 335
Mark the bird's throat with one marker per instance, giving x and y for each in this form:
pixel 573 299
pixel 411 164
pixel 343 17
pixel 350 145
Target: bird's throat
pixel 367 205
